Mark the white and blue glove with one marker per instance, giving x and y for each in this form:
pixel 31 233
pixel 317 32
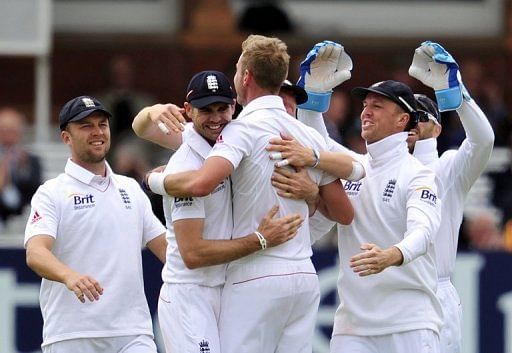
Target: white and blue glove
pixel 326 66
pixel 437 68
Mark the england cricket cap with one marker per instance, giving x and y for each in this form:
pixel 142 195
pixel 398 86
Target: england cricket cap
pixel 300 94
pixel 396 91
pixel 79 108
pixel 427 105
pixel 207 87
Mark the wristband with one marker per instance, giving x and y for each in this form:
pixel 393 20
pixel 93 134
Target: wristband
pixel 357 171
pixel 261 238
pixel 449 99
pixel 318 102
pixel 156 183
pixel 317 158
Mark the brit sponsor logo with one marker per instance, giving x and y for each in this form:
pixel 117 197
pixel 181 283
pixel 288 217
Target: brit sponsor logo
pixel 352 188
pixel 428 196
pixel 183 201
pixel 81 201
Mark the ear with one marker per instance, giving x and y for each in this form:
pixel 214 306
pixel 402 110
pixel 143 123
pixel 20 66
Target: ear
pixel 65 137
pixel 437 130
pixel 247 77
pixel 403 120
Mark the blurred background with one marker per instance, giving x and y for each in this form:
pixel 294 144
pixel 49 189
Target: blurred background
pixel 134 53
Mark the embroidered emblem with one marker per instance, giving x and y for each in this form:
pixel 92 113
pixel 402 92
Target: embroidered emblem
pixel 126 199
pixel 204 347
pixel 89 103
pixel 211 83
pixel 388 191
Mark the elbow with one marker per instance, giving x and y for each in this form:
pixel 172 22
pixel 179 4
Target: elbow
pixel 200 188
pixel 192 262
pixel 30 259
pixel 347 218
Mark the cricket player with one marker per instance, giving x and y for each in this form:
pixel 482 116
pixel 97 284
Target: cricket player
pixel 199 229
pixel 84 236
pixel 387 250
pixel 456 170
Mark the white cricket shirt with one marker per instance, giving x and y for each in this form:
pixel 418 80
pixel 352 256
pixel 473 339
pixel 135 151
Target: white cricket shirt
pixel 215 209
pixel 457 171
pixel 395 204
pixel 100 225
pixel 243 143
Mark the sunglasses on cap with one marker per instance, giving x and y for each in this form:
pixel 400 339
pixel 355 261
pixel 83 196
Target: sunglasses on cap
pixel 424 117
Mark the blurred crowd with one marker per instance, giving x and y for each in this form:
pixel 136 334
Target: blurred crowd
pixel 487 227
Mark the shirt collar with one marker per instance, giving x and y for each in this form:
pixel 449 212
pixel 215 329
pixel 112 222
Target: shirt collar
pixel 426 150
pixel 388 147
pixel 263 102
pixel 196 142
pixel 85 176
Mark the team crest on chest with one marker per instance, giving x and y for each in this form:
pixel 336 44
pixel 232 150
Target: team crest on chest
pixel 389 190
pixel 204 347
pixel 126 199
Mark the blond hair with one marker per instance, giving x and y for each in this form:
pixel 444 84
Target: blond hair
pixel 267 59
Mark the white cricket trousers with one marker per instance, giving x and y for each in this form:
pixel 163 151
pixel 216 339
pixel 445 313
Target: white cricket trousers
pixel 416 341
pixel 120 344
pixel 451 332
pixel 269 306
pixel 188 315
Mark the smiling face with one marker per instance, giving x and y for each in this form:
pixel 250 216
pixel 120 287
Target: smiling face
pixel 381 118
pixel 209 121
pixel 89 140
pixel 422 131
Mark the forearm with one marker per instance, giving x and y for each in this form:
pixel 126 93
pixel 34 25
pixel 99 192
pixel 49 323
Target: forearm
pixel 45 264
pixel 216 252
pixel 476 125
pixel 158 246
pixel 142 124
pixel 184 184
pixel 146 129
pixel 340 165
pixel 420 235
pixel 313 119
pixel 335 204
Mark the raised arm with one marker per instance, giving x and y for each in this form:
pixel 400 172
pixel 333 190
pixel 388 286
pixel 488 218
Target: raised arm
pixel 161 124
pixel 435 67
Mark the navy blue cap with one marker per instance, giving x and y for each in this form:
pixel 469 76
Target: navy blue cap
pixel 396 91
pixel 79 108
pixel 207 87
pixel 299 93
pixel 429 106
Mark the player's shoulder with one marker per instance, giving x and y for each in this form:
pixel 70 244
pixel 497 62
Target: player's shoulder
pixel 413 168
pixel 448 155
pixel 185 158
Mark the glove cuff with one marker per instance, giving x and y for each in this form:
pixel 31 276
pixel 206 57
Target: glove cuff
pixel 449 99
pixel 318 102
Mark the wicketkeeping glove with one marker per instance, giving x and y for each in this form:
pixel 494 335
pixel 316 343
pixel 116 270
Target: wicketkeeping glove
pixel 326 66
pixel 436 68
